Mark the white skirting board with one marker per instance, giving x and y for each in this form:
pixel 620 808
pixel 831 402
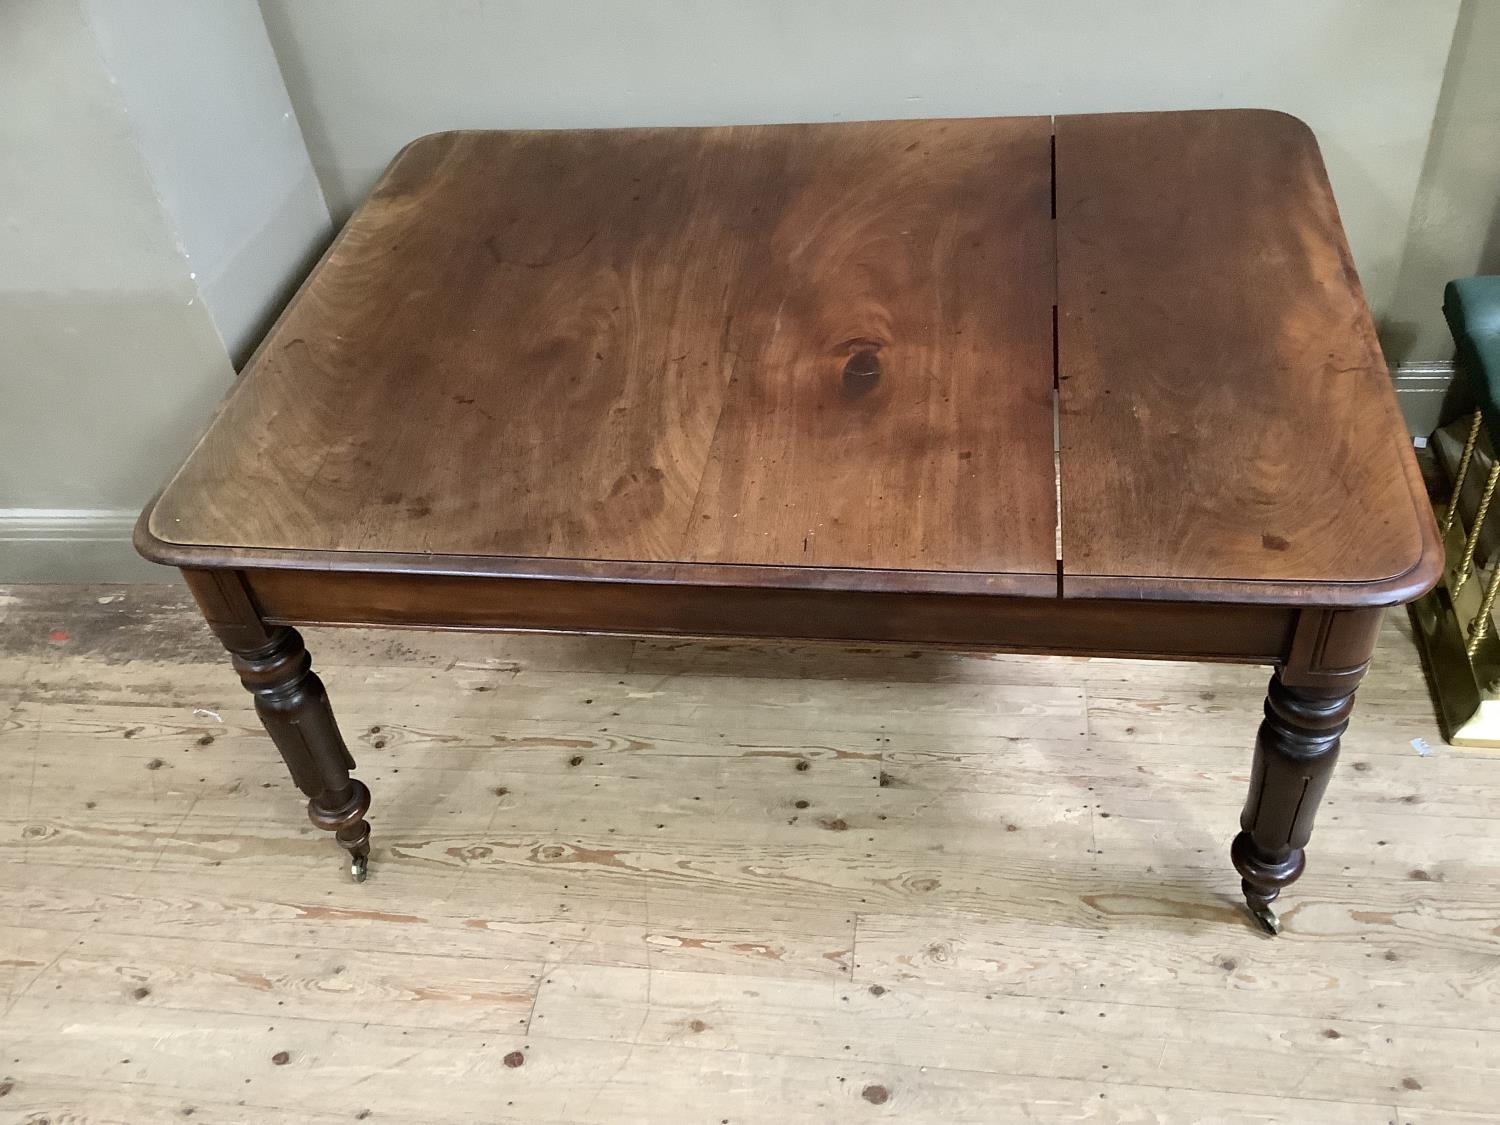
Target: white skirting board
pixel 73 545
pixel 1421 386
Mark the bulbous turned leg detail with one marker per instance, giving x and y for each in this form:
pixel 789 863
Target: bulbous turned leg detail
pixel 293 706
pixel 1295 752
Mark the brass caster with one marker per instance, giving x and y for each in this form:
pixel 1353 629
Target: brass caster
pixel 359 867
pixel 1267 919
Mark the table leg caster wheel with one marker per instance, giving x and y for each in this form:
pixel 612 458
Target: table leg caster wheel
pixel 1267 919
pixel 359 867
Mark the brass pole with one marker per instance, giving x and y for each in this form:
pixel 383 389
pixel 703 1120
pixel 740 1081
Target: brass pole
pixel 1466 566
pixel 1463 470
pixel 1479 628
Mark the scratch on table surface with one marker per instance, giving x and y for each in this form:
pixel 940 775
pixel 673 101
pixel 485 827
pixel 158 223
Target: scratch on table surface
pixel 317 472
pixel 781 307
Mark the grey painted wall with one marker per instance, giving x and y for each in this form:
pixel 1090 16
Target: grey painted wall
pixel 1455 223
pixel 155 199
pixel 108 359
pixel 368 75
pixel 226 154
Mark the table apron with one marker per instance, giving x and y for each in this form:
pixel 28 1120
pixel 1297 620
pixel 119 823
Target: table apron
pixel 1169 630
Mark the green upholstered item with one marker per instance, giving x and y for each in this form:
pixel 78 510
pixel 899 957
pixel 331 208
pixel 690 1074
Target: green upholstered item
pixel 1472 307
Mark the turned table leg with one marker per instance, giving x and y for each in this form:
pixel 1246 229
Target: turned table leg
pixel 276 669
pixel 1295 752
pixel 293 706
pixel 1308 705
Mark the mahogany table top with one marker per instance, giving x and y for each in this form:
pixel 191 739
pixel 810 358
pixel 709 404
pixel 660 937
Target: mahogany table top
pixel 869 356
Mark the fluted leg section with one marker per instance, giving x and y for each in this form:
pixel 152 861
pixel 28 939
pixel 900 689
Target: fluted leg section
pixel 1295 752
pixel 293 705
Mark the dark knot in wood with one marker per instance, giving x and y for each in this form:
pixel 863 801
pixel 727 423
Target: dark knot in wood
pixel 861 373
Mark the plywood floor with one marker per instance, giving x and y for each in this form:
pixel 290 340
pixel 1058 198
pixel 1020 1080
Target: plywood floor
pixel 621 881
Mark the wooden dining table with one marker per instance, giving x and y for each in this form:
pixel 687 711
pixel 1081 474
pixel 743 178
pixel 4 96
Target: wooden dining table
pixel 1090 385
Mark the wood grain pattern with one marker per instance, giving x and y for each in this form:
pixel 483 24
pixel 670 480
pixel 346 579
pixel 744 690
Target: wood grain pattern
pixel 819 356
pixel 1227 420
pixel 802 346
pixel 898 413
pixel 696 954
pixel 459 1077
pixel 962 1030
